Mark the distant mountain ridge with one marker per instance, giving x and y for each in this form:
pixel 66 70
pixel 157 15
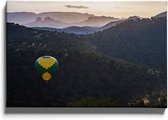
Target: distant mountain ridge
pixel 71 29
pixel 90 23
pixel 21 17
pixel 69 18
pixel 17 17
pixel 97 21
pixel 46 22
pixel 89 29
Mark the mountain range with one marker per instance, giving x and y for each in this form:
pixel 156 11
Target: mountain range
pixel 58 19
pixel 89 29
pixel 69 22
pixel 77 29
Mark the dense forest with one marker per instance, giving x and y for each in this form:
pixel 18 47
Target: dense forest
pixel 122 66
pixel 141 42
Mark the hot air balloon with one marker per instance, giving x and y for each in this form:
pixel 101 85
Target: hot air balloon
pixel 46 66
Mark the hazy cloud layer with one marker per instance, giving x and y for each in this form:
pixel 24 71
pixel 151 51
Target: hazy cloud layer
pixel 77 7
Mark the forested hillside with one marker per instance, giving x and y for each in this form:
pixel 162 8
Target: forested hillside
pixel 121 66
pixel 141 41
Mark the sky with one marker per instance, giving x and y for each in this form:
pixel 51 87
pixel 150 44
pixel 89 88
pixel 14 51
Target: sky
pixel 120 9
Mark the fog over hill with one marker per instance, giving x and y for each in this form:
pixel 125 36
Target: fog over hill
pixel 68 18
pixel 25 17
pixel 79 29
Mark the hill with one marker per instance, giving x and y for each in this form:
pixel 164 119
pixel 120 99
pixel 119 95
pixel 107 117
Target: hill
pixel 72 29
pixel 110 24
pixel 141 41
pixel 160 15
pixel 84 73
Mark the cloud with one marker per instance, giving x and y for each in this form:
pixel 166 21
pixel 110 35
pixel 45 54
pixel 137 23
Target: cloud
pixel 77 7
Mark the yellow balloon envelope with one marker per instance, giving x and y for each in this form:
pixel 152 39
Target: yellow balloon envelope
pixel 46 66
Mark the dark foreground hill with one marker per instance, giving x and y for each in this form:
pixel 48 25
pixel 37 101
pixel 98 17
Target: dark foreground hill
pixel 141 41
pixel 85 77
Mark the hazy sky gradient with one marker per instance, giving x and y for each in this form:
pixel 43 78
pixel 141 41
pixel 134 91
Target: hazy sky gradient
pixel 115 9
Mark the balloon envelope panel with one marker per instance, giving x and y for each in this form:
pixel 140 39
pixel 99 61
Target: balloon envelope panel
pixel 46 66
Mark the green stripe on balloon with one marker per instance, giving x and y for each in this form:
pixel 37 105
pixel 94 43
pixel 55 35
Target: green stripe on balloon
pixel 53 68
pixel 39 68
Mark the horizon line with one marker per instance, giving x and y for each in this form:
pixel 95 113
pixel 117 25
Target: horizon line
pixel 78 12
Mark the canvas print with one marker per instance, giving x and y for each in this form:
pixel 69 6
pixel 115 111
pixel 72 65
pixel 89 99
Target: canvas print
pixel 86 54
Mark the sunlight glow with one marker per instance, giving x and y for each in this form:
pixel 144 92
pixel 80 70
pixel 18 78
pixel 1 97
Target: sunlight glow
pixel 116 9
